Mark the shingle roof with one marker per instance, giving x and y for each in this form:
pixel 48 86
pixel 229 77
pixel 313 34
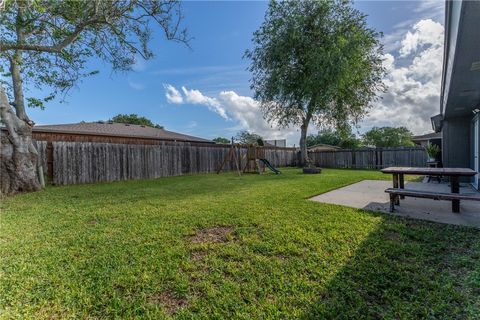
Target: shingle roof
pixel 117 130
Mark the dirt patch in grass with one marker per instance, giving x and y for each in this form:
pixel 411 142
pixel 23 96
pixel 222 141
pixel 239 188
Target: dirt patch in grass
pixel 169 301
pixel 219 234
pixel 198 255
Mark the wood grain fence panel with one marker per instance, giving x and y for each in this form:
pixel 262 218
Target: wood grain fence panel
pixel 92 162
pixel 41 147
pixel 371 158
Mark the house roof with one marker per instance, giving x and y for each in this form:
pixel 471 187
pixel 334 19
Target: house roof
pixel 117 130
pixel 460 94
pixel 428 136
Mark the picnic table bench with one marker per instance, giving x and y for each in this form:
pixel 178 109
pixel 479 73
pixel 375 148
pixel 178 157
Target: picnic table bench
pixel 399 192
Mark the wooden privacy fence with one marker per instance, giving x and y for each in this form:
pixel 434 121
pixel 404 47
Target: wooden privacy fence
pixel 89 162
pixel 371 158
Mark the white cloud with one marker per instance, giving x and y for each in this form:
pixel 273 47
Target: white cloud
pixel 241 109
pixel 425 32
pixel 172 94
pixel 196 97
pixel 422 10
pixel 136 85
pixel 414 85
pixel 249 116
pixel 414 70
pixel 433 9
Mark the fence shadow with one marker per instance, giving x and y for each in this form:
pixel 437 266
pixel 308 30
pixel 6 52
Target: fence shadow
pixel 406 270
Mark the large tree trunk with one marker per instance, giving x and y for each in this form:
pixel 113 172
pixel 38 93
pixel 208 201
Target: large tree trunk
pixel 18 156
pixel 304 160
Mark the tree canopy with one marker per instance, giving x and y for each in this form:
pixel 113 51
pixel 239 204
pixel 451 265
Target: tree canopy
pixel 246 137
pixel 345 140
pixel 388 137
pixel 135 119
pixel 315 61
pixel 47 44
pixel 221 140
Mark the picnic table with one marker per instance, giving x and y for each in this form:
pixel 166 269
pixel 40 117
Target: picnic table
pixel 398 191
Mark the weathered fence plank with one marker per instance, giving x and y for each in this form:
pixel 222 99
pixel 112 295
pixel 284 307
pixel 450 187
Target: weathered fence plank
pixel 371 158
pixel 41 147
pixel 91 162
pixel 87 162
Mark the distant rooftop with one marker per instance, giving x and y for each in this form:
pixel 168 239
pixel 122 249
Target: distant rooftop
pixel 117 130
pixel 428 136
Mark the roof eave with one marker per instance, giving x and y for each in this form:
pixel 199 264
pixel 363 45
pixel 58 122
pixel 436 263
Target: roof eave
pixel 42 130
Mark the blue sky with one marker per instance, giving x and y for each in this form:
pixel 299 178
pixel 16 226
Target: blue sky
pixel 215 99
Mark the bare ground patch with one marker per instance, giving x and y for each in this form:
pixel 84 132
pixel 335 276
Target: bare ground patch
pixel 93 222
pixel 169 301
pixel 218 234
pixel 199 255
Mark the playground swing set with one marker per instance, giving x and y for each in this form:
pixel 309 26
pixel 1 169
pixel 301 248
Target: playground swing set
pixel 255 160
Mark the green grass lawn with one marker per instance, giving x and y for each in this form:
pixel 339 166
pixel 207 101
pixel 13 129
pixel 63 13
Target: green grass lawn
pixel 222 246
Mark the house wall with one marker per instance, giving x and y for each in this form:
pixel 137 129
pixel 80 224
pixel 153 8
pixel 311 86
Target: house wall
pixel 472 147
pixel 456 146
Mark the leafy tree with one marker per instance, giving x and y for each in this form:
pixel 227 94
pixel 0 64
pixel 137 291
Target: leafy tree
pixel 346 140
pixel 221 140
pixel 46 44
pixel 135 119
pixel 246 137
pixel 329 137
pixel 315 61
pixel 388 137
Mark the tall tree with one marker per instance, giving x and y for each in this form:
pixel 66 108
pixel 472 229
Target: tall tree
pixel 247 137
pixel 221 140
pixel 135 119
pixel 385 137
pixel 315 61
pixel 47 44
pixel 346 140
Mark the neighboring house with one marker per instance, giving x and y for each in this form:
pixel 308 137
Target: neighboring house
pixel 110 132
pixel 276 143
pixel 458 120
pixel 323 147
pixel 432 138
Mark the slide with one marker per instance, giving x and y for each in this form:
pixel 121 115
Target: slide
pixel 269 165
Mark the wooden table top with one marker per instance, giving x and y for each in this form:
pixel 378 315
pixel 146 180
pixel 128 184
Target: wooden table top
pixel 431 171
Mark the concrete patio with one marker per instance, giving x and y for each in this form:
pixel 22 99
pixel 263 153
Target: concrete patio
pixel 370 195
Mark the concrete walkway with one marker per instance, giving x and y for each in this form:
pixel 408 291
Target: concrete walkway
pixel 370 195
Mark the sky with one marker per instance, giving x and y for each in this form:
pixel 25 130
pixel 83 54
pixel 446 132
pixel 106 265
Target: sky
pixel 204 90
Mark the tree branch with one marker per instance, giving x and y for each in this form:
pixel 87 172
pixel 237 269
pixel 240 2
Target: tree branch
pixel 57 48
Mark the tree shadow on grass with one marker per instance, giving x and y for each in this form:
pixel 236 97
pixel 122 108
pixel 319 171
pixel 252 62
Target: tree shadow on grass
pixel 407 269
